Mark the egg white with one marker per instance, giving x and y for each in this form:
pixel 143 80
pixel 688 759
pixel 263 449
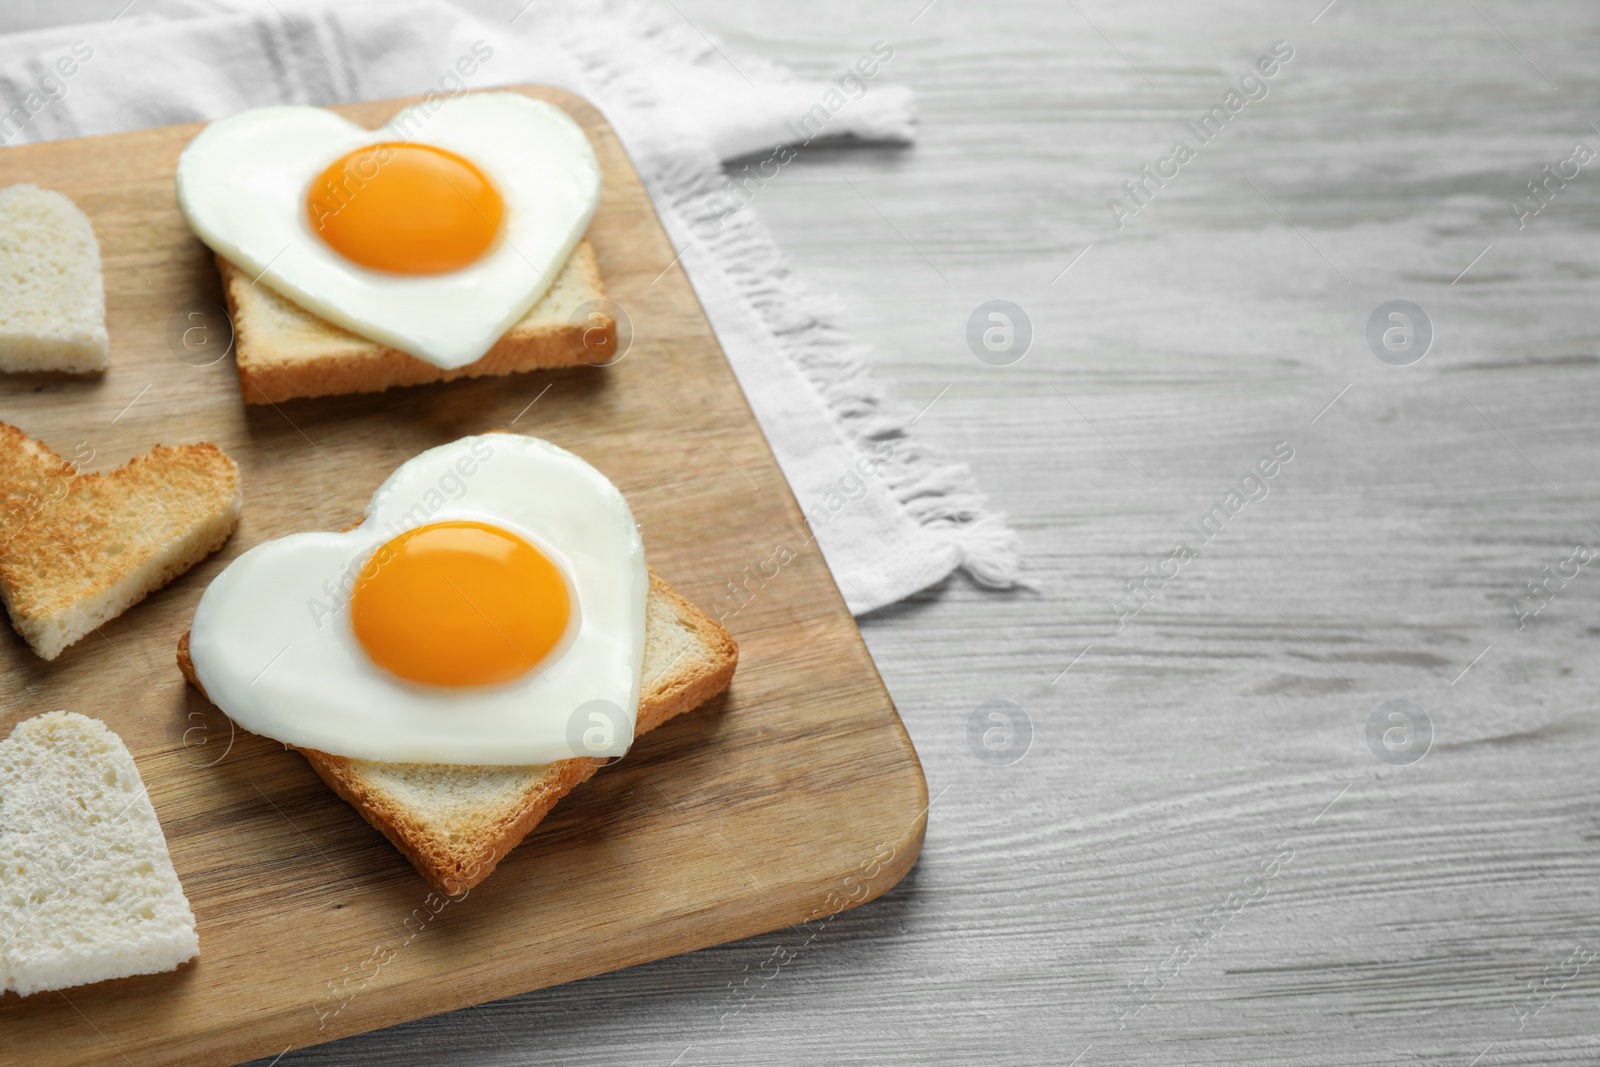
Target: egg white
pixel 242 185
pixel 273 646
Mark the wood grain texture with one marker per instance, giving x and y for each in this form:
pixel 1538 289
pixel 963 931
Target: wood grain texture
pixel 795 794
pixel 1178 754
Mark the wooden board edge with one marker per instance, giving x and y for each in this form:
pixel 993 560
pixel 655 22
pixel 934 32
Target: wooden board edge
pixel 463 995
pixel 904 850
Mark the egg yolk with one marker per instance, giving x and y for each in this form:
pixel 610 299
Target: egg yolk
pixel 405 208
pixel 458 604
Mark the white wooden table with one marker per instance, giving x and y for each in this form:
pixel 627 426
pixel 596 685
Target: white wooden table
pixel 1201 858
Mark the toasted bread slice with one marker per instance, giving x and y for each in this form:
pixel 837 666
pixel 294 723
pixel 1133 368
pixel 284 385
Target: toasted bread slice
pixel 88 891
pixel 455 823
pixel 52 299
pixel 284 351
pixel 77 550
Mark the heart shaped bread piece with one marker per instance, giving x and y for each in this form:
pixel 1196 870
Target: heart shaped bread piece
pixel 243 183
pixel 78 549
pixel 52 297
pixel 87 888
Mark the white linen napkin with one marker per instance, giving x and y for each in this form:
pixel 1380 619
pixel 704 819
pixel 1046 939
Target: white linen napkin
pixel 889 518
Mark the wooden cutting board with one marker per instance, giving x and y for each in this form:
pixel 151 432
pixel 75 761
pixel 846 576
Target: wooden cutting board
pixel 795 795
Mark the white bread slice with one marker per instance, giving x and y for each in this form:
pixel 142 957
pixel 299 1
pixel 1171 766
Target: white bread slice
pixel 52 296
pixel 284 351
pixel 87 888
pixel 455 823
pixel 79 549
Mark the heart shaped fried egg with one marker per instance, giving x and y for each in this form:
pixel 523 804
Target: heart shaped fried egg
pixel 431 235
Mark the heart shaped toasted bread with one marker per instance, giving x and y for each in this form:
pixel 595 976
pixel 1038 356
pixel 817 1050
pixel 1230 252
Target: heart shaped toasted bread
pixel 78 549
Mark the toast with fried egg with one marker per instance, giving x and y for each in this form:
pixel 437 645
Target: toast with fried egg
pixel 455 823
pixel 431 236
pixel 283 351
